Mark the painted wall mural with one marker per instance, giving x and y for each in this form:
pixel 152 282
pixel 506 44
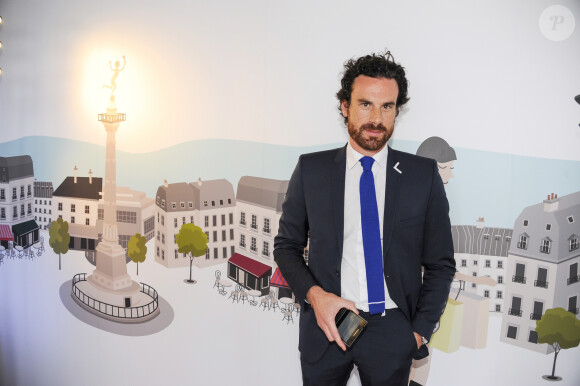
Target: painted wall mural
pixel 142 176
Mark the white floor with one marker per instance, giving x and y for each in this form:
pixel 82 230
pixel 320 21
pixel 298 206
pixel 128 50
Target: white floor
pixel 200 339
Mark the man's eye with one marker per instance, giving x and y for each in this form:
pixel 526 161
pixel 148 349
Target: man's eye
pixel 365 104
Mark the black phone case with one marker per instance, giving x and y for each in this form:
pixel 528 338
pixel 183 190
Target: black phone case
pixel 350 326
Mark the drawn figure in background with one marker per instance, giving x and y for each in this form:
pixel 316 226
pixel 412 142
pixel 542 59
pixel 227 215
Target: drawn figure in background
pixel 439 150
pixel 116 71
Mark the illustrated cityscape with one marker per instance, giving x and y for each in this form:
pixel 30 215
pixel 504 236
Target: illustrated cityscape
pixel 520 273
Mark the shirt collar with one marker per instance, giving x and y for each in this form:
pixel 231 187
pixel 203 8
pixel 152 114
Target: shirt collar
pixel 353 157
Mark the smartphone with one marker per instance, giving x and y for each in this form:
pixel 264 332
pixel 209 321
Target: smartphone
pixel 350 326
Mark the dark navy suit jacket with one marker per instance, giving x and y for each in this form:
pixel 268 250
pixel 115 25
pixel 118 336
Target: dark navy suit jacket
pixel 416 233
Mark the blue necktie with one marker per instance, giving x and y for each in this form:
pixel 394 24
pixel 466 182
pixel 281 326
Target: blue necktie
pixel 371 233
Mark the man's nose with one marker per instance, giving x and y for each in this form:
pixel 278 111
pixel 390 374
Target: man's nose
pixel 376 115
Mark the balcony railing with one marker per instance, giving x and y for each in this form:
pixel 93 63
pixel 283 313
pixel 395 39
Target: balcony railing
pixel 545 249
pixel 115 311
pixel 573 279
pixel 535 316
pixel 539 283
pixel 519 279
pixel 515 312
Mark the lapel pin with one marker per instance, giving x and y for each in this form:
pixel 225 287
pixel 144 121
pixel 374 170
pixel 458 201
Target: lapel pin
pixel 395 167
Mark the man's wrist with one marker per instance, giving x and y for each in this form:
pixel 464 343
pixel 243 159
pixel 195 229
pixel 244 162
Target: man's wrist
pixel 312 293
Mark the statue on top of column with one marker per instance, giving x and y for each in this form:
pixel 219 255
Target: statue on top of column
pixel 116 71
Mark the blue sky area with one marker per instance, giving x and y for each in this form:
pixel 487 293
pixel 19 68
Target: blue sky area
pixel 486 184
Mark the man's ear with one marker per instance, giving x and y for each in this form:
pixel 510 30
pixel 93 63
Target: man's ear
pixel 344 108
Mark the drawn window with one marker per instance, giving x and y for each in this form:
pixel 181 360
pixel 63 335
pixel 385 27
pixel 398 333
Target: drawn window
pixel 545 245
pixel 523 243
pixel 573 243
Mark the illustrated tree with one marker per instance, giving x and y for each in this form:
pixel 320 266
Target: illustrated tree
pixel 192 241
pixel 137 249
pixel 559 328
pixel 59 237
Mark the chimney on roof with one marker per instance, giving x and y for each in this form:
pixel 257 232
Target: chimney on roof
pixel 165 183
pixel 480 222
pixel 551 203
pixel 75 169
pixel 199 181
pixel 90 176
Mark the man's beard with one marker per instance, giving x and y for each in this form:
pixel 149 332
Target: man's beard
pixel 370 143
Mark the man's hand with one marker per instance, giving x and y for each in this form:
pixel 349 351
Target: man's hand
pixel 326 305
pixel 419 340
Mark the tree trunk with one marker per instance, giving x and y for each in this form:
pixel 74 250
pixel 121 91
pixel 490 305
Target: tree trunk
pixel 137 268
pixel 554 365
pixel 59 261
pixel 190 265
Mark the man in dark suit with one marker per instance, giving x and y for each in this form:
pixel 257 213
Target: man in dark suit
pixel 323 205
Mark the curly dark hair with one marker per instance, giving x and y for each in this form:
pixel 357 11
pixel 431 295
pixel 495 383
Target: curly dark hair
pixel 376 66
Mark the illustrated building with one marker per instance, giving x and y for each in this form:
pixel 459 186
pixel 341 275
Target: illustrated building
pixel 250 273
pixel 208 204
pixel 542 270
pixel 483 251
pixel 16 201
pixel 258 212
pixel 76 201
pixel 135 214
pixel 43 203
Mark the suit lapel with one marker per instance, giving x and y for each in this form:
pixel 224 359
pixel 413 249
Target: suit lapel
pixel 392 188
pixel 337 180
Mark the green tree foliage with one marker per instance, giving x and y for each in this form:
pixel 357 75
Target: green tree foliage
pixel 559 328
pixel 59 237
pixel 137 249
pixel 192 241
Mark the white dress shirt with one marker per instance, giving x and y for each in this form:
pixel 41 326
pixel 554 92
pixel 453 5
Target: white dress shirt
pixel 353 271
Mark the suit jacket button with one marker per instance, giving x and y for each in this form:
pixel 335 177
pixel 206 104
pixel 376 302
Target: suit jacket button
pixel 337 273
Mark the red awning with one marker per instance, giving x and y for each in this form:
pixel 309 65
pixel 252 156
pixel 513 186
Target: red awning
pixel 278 280
pixel 250 265
pixel 6 233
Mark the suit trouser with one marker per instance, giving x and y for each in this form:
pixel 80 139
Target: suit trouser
pixel 382 354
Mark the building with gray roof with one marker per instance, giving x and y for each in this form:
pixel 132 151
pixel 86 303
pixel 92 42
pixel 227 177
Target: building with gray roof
pixel 16 201
pixel 257 216
pixel 207 204
pixel 483 251
pixel 542 271
pixel 43 203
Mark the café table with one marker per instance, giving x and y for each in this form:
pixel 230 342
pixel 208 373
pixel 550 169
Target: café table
pixel 38 248
pixel 253 294
pixel 285 301
pixel 223 284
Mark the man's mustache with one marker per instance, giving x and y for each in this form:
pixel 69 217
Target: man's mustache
pixel 372 126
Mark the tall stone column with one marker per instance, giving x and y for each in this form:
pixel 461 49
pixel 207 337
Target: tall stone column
pixel 111 267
